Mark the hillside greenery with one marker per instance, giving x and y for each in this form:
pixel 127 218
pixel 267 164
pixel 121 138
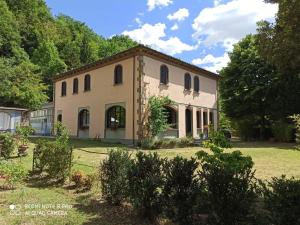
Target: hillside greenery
pixel 35 46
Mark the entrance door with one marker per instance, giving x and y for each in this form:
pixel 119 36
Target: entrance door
pixel 188 122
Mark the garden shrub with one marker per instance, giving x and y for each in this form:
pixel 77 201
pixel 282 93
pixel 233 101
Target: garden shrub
pixel 89 180
pixel 23 133
pixel 219 139
pixel 282 199
pixel 113 175
pixel 181 190
pixel 54 158
pixel 7 145
pixel 230 183
pixel 145 181
pixel 78 178
pixel 169 143
pixel 185 142
pixel 83 181
pixel 12 174
pixel 282 131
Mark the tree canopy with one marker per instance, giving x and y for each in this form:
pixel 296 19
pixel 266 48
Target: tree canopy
pixel 246 84
pixel 279 45
pixel 43 45
pixel 261 84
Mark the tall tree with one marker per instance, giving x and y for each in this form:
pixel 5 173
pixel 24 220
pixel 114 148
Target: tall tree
pixel 246 86
pixel 279 44
pixel 21 85
pixel 10 38
pixel 114 45
pixel 35 22
pixel 88 50
pixel 47 58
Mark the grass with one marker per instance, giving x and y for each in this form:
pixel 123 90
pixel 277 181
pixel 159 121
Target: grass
pixel 271 159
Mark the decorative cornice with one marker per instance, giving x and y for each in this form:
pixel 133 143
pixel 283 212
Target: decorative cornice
pixel 137 50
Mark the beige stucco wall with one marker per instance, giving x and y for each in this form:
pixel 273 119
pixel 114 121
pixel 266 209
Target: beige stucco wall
pixel 103 92
pixel 206 98
pixel 175 89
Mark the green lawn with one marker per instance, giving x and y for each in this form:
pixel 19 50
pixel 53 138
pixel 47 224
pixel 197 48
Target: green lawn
pixel 271 159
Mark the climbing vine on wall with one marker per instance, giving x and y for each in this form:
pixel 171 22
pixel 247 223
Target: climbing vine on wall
pixel 156 114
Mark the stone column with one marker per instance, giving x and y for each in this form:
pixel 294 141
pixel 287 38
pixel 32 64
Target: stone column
pixel 208 119
pixel 215 119
pixel 181 121
pixel 194 122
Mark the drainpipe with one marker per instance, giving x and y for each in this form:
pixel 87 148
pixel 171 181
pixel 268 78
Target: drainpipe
pixel 133 102
pixel 140 97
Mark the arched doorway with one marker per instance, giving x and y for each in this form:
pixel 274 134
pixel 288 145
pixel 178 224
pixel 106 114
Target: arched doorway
pixel 83 123
pixel 188 122
pixel 172 118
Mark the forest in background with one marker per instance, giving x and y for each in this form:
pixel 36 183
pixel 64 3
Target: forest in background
pixel 35 46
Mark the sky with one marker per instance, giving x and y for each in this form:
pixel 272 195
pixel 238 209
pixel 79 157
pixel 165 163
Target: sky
pixel 201 32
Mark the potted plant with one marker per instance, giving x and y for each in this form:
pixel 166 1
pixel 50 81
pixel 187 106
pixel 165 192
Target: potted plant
pixel 23 133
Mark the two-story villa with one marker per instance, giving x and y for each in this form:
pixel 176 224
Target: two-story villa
pixel 107 99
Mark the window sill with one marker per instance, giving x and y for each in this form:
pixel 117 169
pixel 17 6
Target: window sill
pixel 87 90
pixel 63 96
pixel 75 93
pixel 119 84
pixel 164 85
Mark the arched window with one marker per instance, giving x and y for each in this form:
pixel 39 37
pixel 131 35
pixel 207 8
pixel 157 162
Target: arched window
pixel 164 75
pixel 196 84
pixel 59 118
pixel 118 74
pixel 64 88
pixel 171 117
pixel 187 81
pixel 115 117
pixel 75 86
pixel 87 82
pixel 84 119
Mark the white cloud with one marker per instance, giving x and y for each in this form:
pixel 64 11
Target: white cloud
pixel 155 36
pixel 152 4
pixel 138 21
pixel 212 63
pixel 175 27
pixel 230 22
pixel 179 15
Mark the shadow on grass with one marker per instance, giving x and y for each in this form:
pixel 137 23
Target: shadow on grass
pixel 102 213
pixel 42 181
pixel 263 144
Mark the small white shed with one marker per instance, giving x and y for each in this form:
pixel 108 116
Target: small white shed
pixel 11 117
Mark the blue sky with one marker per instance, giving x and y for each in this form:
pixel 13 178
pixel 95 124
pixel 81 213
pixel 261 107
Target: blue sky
pixel 201 32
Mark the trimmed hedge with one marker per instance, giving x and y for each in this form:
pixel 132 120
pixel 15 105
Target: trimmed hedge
pixel 168 143
pixel 218 189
